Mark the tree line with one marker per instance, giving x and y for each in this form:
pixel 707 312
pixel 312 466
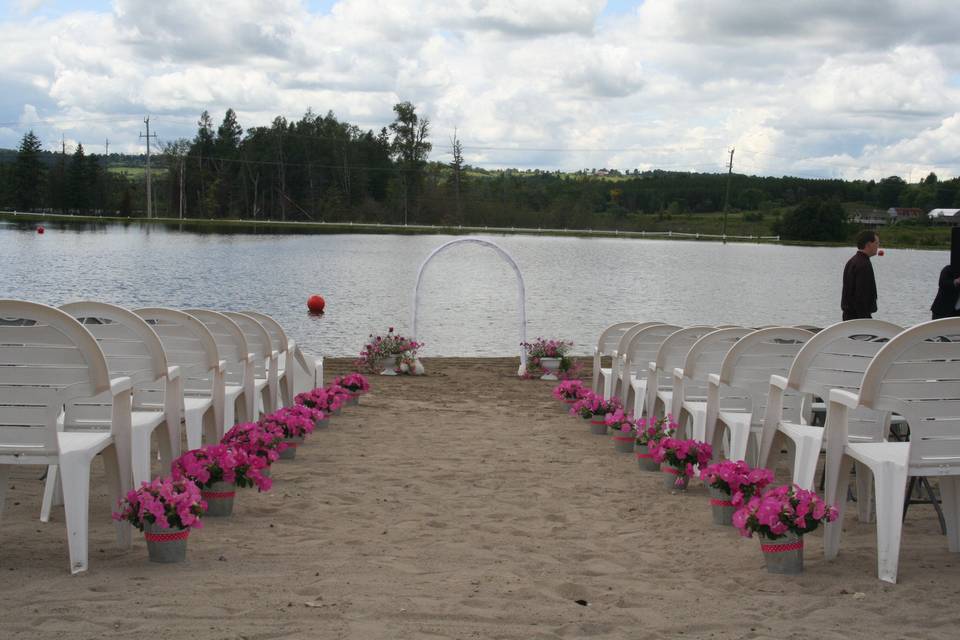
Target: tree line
pixel 319 168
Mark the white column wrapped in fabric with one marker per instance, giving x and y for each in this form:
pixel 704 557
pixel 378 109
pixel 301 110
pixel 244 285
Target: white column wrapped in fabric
pixel 521 291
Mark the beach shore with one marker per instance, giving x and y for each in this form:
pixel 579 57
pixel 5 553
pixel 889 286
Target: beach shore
pixel 463 504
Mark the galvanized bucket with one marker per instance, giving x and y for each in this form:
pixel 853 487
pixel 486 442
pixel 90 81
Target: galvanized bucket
pixel 784 555
pixel 291 451
pixel 623 441
pixel 166 545
pixel 721 506
pixel 354 399
pixel 673 480
pixel 598 426
pixel 219 497
pixel 321 424
pixel 644 458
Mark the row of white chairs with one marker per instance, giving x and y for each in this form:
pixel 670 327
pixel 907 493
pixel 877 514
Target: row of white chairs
pixel 752 393
pixel 93 378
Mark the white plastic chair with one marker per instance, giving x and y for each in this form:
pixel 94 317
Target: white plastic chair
pixel 606 344
pixel 745 377
pixel 836 357
pixel 612 378
pixel 917 376
pixel 134 350
pixel 265 380
pixel 49 362
pixel 688 397
pixel 239 392
pixel 637 355
pixel 670 355
pixel 284 347
pixel 311 366
pixel 190 346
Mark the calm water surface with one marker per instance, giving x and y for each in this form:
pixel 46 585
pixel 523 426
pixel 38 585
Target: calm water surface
pixel 575 287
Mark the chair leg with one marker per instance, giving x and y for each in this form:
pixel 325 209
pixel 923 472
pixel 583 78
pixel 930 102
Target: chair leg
pixel 49 492
pixel 76 503
pixel 865 502
pixel 140 456
pixel 114 493
pixel 193 423
pixel 805 460
pixel 4 476
pixel 209 428
pixel 950 499
pixel 890 482
pixel 837 480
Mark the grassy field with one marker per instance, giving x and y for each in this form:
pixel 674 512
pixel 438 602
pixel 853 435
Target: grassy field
pixel 138 173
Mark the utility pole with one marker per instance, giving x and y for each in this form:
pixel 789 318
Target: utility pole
pixel 106 147
pixel 148 136
pixel 726 198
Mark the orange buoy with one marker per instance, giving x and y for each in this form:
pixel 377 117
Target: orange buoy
pixel 40 229
pixel 316 304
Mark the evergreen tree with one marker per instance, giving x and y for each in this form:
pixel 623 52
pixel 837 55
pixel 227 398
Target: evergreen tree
pixel 28 174
pixel 77 182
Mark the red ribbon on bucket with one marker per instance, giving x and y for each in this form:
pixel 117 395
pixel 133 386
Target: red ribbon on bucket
pixel 782 548
pixel 166 537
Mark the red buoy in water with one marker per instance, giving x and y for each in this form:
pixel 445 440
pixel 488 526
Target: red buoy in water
pixel 316 304
pixel 880 252
pixel 40 229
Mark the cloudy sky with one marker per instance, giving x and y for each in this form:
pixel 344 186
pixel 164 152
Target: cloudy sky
pixel 820 88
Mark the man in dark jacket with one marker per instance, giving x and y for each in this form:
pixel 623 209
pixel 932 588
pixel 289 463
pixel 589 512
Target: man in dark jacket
pixel 947 302
pixel 859 298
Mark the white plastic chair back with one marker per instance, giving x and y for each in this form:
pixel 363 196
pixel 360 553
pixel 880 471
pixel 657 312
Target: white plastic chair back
pixel 673 353
pixel 278 337
pixel 188 344
pixel 644 347
pixel 47 359
pixel 917 375
pixel 705 357
pixel 749 363
pixel 606 344
pixel 836 358
pixel 231 343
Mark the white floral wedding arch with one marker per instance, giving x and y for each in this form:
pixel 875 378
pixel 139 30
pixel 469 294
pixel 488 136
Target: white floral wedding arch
pixel 521 290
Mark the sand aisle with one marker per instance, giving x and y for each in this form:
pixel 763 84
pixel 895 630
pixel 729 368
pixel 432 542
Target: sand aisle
pixel 463 504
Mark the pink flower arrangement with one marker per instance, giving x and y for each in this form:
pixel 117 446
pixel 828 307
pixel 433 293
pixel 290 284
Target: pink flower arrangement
pixel 295 422
pixel 651 430
pixel 569 390
pixel 380 348
pixel 542 348
pixel 782 510
pixel 353 382
pixel 737 478
pixel 326 399
pixel 262 440
pixel 682 455
pixel 221 463
pixel 165 502
pixel 592 404
pixel 619 421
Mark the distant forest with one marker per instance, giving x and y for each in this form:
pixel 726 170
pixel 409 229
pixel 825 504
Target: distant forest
pixel 321 169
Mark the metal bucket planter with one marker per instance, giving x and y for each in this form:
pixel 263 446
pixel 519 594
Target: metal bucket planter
pixel 166 545
pixel 322 424
pixel 550 368
pixel 219 497
pixel 291 451
pixel 721 506
pixel 784 555
pixel 644 458
pixel 598 426
pixel 623 441
pixel 354 399
pixel 673 480
pixel 566 404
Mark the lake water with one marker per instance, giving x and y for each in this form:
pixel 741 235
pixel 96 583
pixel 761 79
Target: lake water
pixel 574 286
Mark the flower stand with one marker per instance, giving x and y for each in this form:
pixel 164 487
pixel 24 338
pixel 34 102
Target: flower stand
pixel 644 458
pixel 165 545
pixel 673 480
pixel 598 425
pixel 721 507
pixel 784 555
pixel 219 498
pixel 291 451
pixel 623 441
pixel 389 365
pixel 550 368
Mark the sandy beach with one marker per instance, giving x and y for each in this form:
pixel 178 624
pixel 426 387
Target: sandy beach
pixel 463 504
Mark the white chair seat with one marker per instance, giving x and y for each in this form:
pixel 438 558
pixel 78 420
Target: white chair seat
pixel 698 417
pixel 93 442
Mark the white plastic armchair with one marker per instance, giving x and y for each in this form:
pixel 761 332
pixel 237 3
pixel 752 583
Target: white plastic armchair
pixel 48 361
pixel 744 378
pixel 283 346
pixel 916 375
pixel 239 391
pixel 606 345
pixel 671 354
pixel 265 358
pixel 134 350
pixel 612 379
pixel 836 357
pixel 190 345
pixel 688 396
pixel 635 366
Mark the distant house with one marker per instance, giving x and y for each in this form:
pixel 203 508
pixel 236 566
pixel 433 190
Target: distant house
pixel 904 213
pixel 945 216
pixel 874 217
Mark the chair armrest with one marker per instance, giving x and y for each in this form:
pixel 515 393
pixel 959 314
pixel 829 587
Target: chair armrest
pixel 844 397
pixel 275 355
pixel 119 385
pixel 222 366
pixel 249 358
pixel 173 372
pixel 714 379
pixel 779 382
pixel 678 372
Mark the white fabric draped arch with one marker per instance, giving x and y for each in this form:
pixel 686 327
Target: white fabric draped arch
pixel 521 291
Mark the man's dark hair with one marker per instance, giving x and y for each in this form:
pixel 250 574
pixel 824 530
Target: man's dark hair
pixel 865 237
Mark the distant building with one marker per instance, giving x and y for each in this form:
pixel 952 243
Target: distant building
pixel 945 216
pixel 905 213
pixel 873 217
